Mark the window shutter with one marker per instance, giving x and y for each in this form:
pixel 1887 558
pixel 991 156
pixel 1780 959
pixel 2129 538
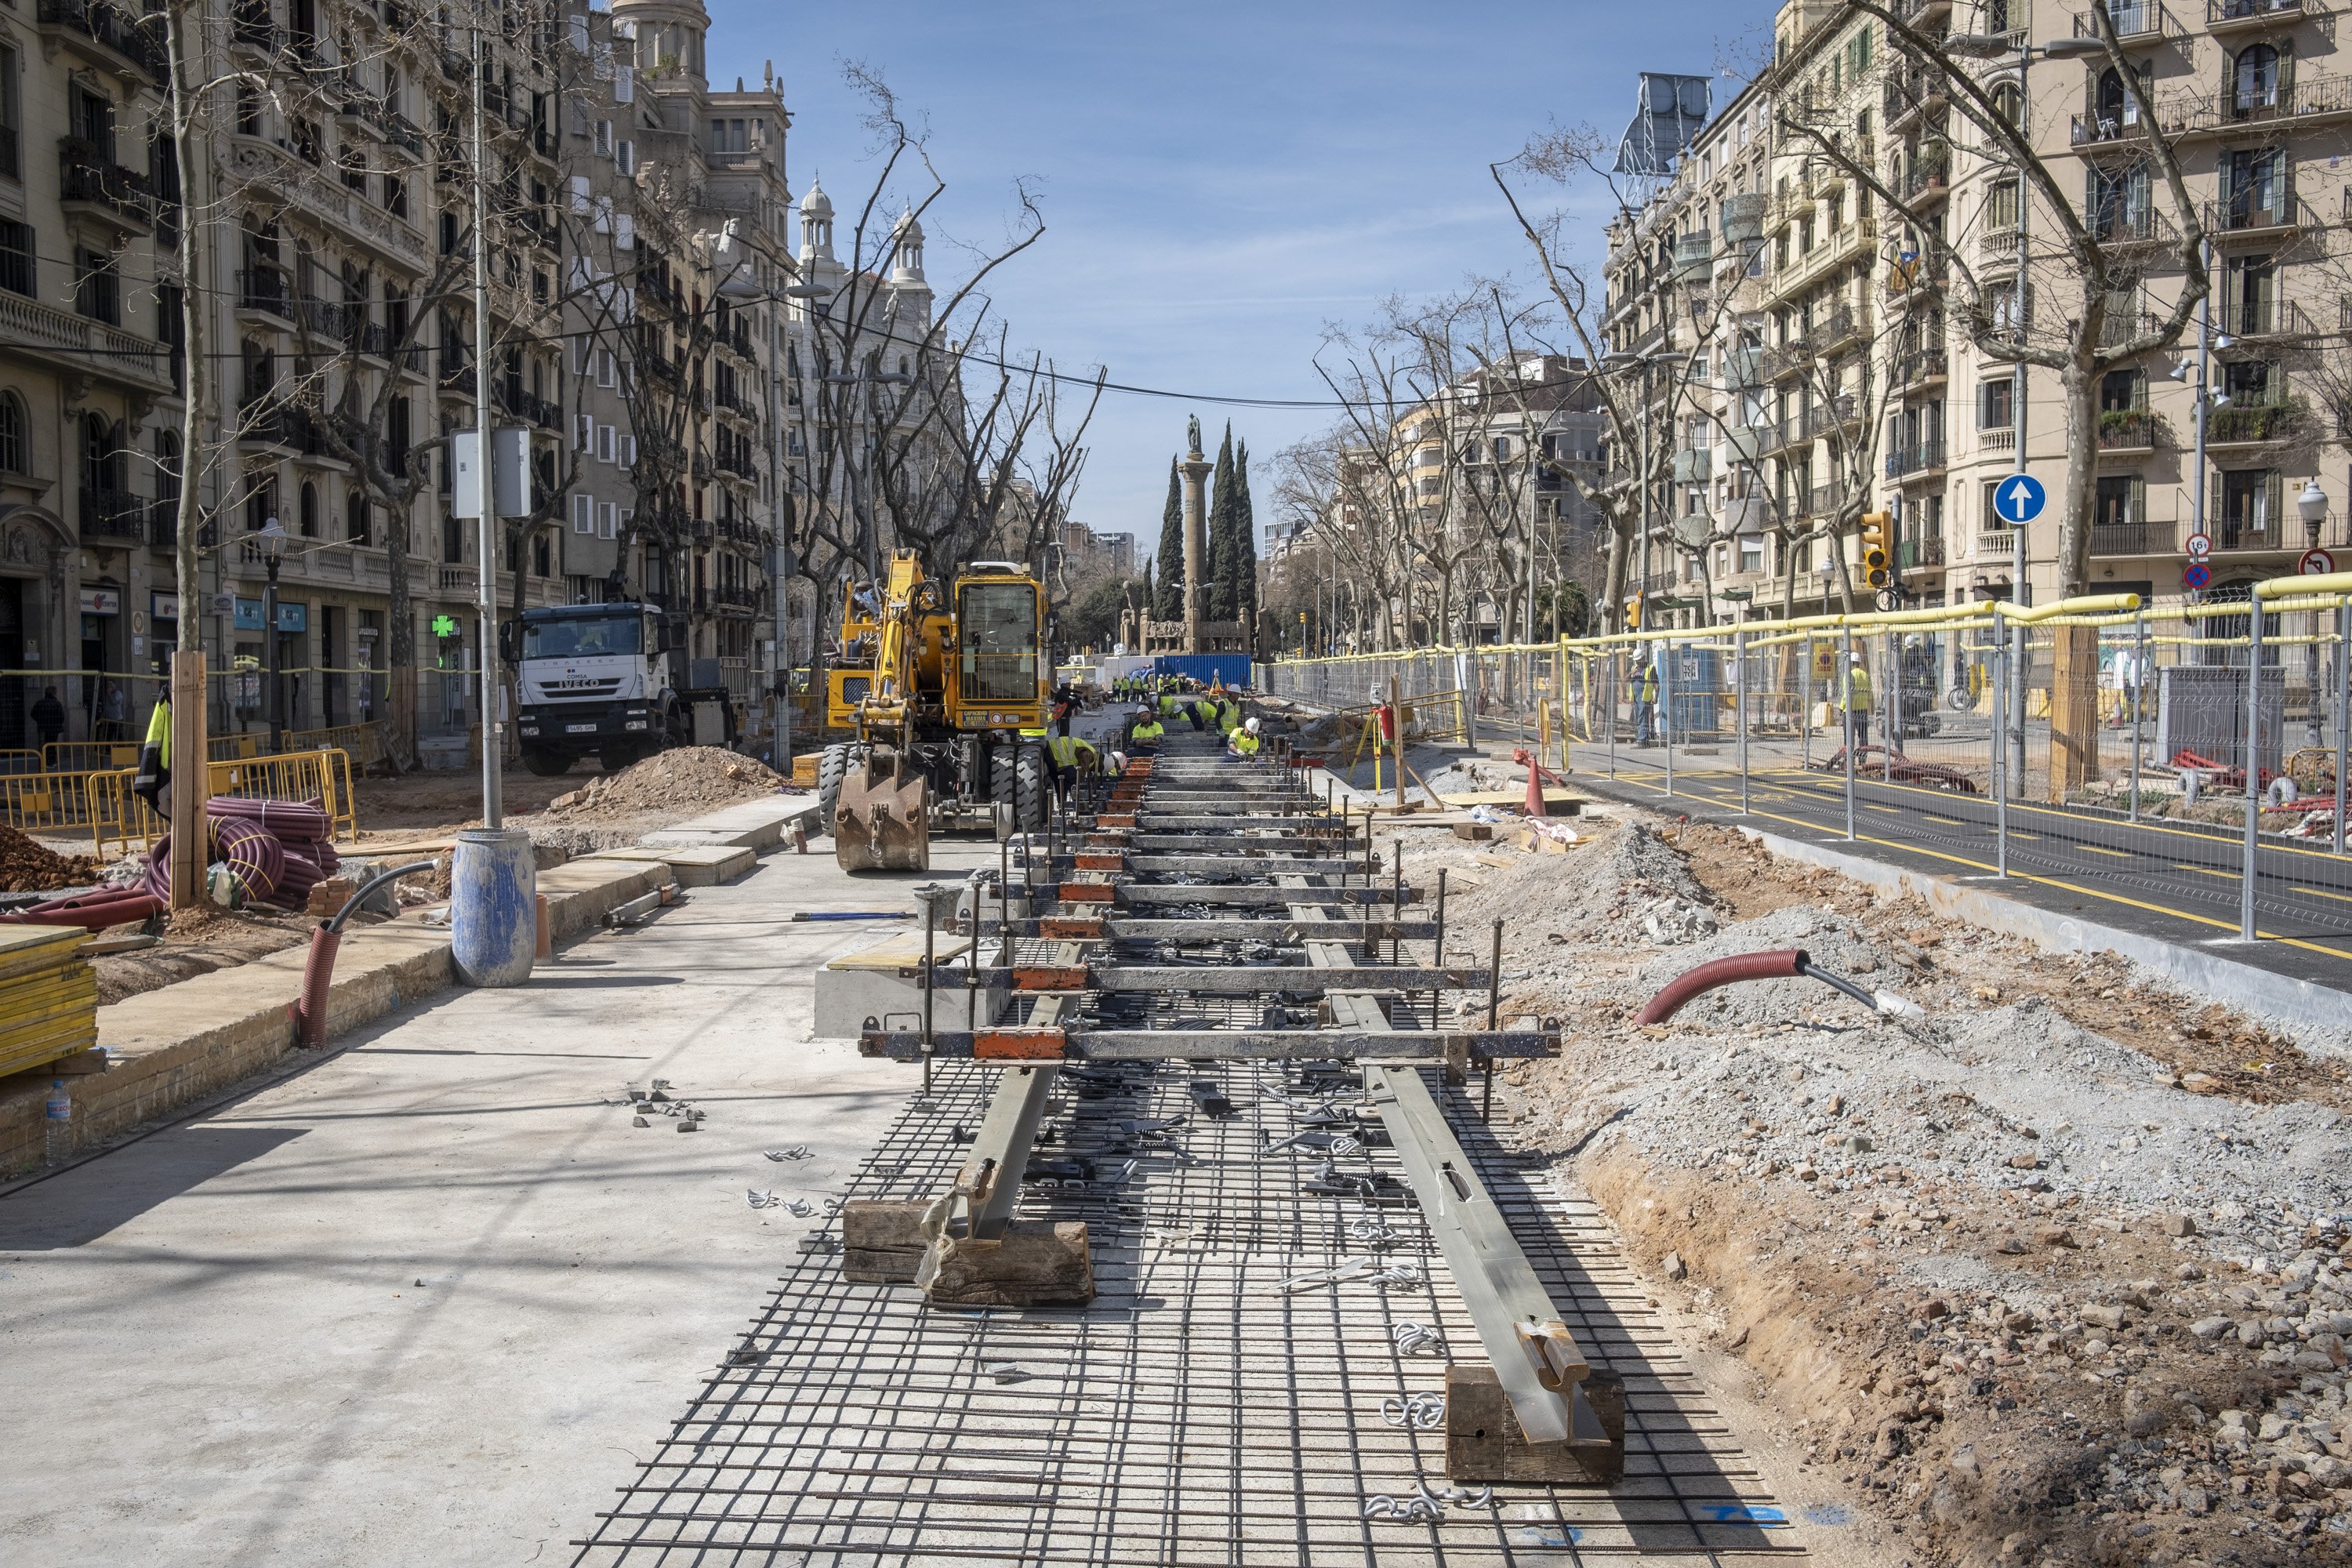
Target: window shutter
pixel 631 447
pixel 625 232
pixel 603 442
pixel 625 84
pixel 578 34
pixel 584 513
pixel 2214 504
pixel 2274 497
pixel 2285 75
pixel 580 204
pixel 2138 502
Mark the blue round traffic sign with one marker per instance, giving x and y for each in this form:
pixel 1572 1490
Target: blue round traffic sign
pixel 2195 575
pixel 2019 498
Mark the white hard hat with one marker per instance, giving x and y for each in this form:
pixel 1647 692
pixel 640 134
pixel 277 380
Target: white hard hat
pixel 1854 657
pixel 1250 725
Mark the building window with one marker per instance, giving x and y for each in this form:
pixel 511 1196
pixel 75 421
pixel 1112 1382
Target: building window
pixel 12 158
pixel 13 458
pixel 307 511
pixel 1997 403
pixel 16 269
pixel 355 518
pixel 98 294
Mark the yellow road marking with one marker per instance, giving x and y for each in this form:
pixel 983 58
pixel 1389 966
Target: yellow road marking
pixel 2324 893
pixel 1947 821
pixel 2094 849
pixel 2208 871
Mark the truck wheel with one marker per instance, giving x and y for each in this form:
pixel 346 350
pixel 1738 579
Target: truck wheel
pixel 830 768
pixel 1029 787
pixel 1000 787
pixel 613 758
pixel 546 764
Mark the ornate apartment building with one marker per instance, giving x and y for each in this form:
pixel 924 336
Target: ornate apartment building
pixel 637 224
pixel 1831 371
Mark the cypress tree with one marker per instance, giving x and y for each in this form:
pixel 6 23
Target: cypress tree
pixel 1168 601
pixel 1243 585
pixel 1220 533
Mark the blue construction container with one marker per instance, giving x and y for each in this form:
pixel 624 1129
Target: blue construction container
pixel 1208 668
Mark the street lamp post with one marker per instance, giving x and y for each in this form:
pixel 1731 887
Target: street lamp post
pixel 271 541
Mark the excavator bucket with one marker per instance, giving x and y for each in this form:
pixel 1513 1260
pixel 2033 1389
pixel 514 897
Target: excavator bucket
pixel 882 821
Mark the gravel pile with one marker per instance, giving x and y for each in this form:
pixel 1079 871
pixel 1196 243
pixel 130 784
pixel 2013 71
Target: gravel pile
pixel 678 783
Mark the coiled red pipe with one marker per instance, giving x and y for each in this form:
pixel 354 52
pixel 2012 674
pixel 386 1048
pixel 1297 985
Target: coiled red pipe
pixel 1785 965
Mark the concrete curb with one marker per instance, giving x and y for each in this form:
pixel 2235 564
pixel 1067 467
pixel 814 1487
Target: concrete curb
pixel 2281 998
pixel 179 1044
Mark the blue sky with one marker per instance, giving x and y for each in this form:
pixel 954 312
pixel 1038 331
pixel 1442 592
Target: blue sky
pixel 1219 180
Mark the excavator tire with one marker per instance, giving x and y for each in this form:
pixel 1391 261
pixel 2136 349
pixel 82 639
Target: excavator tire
pixel 1029 787
pixel 830 767
pixel 1000 777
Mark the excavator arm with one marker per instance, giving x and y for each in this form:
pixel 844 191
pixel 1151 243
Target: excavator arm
pixel 882 817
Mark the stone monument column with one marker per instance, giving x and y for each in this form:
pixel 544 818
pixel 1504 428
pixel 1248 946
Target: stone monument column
pixel 1196 544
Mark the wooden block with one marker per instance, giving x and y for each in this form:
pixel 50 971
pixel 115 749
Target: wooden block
pixel 882 1240
pixel 1036 1263
pixel 1485 1446
pixel 1477 832
pixel 1500 862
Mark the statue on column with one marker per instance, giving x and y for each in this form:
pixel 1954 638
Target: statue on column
pixel 1193 435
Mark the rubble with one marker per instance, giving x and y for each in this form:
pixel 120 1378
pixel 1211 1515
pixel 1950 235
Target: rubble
pixel 2061 1274
pixel 677 783
pixel 27 867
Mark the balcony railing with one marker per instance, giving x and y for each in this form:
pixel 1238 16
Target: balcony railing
pixel 1922 366
pixel 1920 458
pixel 2131 539
pixel 2262 317
pixel 142 43
pixel 2133 20
pixel 2254 422
pixel 2118 327
pixel 86 174
pixel 2117 223
pixel 1928 177
pixel 261 290
pixel 2128 430
pixel 2305 98
pixel 2234 15
pixel 113 516
pixel 2249 213
pixel 1911 554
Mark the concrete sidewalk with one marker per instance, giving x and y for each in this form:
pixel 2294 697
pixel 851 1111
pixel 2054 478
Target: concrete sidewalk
pixel 429 1298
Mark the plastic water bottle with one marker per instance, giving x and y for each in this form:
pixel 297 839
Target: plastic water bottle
pixel 59 1122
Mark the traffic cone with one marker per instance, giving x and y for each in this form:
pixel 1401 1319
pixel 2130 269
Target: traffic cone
pixel 1534 801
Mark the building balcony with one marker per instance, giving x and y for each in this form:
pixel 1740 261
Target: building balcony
pixel 1839 328
pixel 114 518
pixel 1694 466
pixel 251 28
pixel 90 185
pixel 84 346
pixel 1916 554
pixel 2129 430
pixel 2281 218
pixel 1995 545
pixel 1828 419
pixel 735 600
pixel 2119 327
pixel 1924 16
pixel 1919 460
pixel 109 37
pixel 2226 18
pixel 2255 423
pixel 2131 539
pixel 1784 359
pixel 1922 369
pixel 2306 100
pixel 1928 182
pixel 2136 21
pixel 2124 228
pixel 263 291
pixel 2260 317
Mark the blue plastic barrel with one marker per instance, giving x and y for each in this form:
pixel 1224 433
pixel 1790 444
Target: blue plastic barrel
pixel 493 910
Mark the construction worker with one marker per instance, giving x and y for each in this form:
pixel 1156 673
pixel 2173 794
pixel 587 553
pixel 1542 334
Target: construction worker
pixel 153 781
pixel 1243 742
pixel 1646 706
pixel 1229 715
pixel 1143 740
pixel 1062 758
pixel 1854 699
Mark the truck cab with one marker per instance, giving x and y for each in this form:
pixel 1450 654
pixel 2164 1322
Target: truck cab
pixel 594 680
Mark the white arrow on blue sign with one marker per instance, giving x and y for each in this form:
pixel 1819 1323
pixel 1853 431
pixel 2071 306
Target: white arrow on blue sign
pixel 2020 497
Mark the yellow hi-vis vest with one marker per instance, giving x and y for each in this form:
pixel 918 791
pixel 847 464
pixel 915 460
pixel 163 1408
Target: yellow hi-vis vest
pixel 1244 743
pixel 1063 750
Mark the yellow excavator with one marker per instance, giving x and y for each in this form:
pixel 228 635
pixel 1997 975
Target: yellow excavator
pixel 946 686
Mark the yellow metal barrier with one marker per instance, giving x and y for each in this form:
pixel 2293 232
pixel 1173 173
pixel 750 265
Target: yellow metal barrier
pixel 87 756
pixel 363 743
pixel 14 761
pixel 36 801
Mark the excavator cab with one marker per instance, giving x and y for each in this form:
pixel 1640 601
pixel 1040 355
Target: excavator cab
pixel 940 685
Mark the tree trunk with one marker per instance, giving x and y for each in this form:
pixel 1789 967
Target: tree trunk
pixel 2074 653
pixel 400 634
pixel 1613 603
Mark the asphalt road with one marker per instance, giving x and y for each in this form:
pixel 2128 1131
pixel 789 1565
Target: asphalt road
pixel 2179 880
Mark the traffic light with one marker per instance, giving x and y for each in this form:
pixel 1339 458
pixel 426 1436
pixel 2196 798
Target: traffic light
pixel 1877 551
pixel 1634 615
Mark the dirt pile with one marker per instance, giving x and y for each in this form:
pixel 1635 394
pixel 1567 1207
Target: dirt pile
pixel 26 868
pixel 2060 1274
pixel 675 783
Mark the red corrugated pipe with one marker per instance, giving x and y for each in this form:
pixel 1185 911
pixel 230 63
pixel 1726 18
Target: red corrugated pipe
pixel 1786 964
pixel 319 972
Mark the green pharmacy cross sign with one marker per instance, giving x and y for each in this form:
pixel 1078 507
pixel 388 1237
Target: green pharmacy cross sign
pixel 445 626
